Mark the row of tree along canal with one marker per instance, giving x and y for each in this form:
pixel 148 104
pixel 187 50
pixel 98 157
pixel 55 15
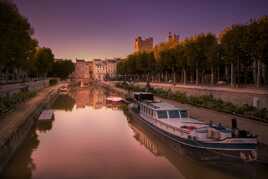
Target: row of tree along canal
pixel 239 55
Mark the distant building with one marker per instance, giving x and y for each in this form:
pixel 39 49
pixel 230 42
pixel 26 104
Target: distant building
pixel 86 71
pixel 90 69
pixel 103 69
pixel 81 72
pixel 111 68
pixel 143 45
pixel 99 69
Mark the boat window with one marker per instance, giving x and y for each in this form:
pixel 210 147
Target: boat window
pixel 174 114
pixel 162 114
pixel 184 114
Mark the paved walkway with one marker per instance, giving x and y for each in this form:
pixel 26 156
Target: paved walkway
pixel 206 115
pixel 13 120
pixel 213 88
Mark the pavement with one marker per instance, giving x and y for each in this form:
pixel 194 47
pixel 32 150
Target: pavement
pixel 13 120
pixel 257 91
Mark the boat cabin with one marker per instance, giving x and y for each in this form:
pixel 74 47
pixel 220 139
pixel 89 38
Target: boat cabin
pixel 141 96
pixel 160 110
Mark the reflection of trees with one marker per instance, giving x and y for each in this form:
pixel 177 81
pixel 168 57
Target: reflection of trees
pixel 187 161
pixel 22 165
pixel 44 126
pixel 64 102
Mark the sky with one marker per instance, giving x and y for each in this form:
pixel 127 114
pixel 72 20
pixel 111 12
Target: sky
pixel 89 29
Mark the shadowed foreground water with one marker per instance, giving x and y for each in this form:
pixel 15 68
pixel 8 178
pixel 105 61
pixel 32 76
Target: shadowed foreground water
pixel 90 138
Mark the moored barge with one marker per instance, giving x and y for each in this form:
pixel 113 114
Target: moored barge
pixel 175 124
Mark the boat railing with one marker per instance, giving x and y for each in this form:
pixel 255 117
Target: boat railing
pixel 172 129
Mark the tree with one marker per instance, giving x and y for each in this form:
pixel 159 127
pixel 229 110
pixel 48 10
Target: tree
pixel 43 61
pixel 62 69
pixel 232 40
pixel 258 44
pixel 16 43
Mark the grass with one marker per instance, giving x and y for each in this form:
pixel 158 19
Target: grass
pixel 205 101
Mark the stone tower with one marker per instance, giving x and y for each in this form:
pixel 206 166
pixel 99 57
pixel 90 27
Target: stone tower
pixel 143 45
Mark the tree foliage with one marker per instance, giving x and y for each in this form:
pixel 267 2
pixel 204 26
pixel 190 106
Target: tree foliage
pixel 236 56
pixel 62 69
pixel 43 61
pixel 16 43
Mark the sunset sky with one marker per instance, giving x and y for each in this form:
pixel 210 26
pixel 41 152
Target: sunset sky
pixel 107 28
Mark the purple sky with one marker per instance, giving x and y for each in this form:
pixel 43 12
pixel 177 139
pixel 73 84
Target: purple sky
pixel 106 28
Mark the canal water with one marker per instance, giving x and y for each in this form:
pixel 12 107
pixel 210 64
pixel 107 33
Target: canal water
pixel 91 138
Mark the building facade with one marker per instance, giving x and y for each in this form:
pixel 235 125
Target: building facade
pixel 111 68
pixel 143 45
pixel 81 72
pixel 99 70
pixel 104 69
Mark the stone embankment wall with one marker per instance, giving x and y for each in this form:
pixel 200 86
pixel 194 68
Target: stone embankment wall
pixel 252 97
pixel 10 89
pixel 15 131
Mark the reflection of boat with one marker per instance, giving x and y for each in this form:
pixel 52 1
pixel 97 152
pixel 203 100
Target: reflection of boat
pixel 46 115
pixel 64 89
pixel 174 124
pixel 114 99
pixel 191 163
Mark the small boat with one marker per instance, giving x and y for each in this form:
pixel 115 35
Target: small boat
pixel 114 99
pixel 175 124
pixel 64 89
pixel 46 115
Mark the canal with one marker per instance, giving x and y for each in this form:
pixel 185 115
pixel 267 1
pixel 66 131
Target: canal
pixel 91 138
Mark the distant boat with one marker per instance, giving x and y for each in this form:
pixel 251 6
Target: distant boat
pixel 46 115
pixel 114 99
pixel 64 90
pixel 175 124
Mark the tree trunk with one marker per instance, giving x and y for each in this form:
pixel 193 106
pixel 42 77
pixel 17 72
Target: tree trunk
pixel 212 76
pixel 254 72
pixel 232 74
pixel 184 76
pixel 196 76
pixel 174 77
pixel 182 79
pixel 166 77
pixel 258 73
pixel 226 73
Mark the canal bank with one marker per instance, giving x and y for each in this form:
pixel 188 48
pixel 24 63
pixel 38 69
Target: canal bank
pixel 15 126
pixel 206 115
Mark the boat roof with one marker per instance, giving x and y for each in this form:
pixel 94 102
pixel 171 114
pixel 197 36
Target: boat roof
pixel 162 106
pixel 142 92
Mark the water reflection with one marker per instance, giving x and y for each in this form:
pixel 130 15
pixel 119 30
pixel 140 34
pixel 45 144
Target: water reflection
pixel 22 165
pixel 44 126
pixel 93 138
pixel 64 102
pixel 188 161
